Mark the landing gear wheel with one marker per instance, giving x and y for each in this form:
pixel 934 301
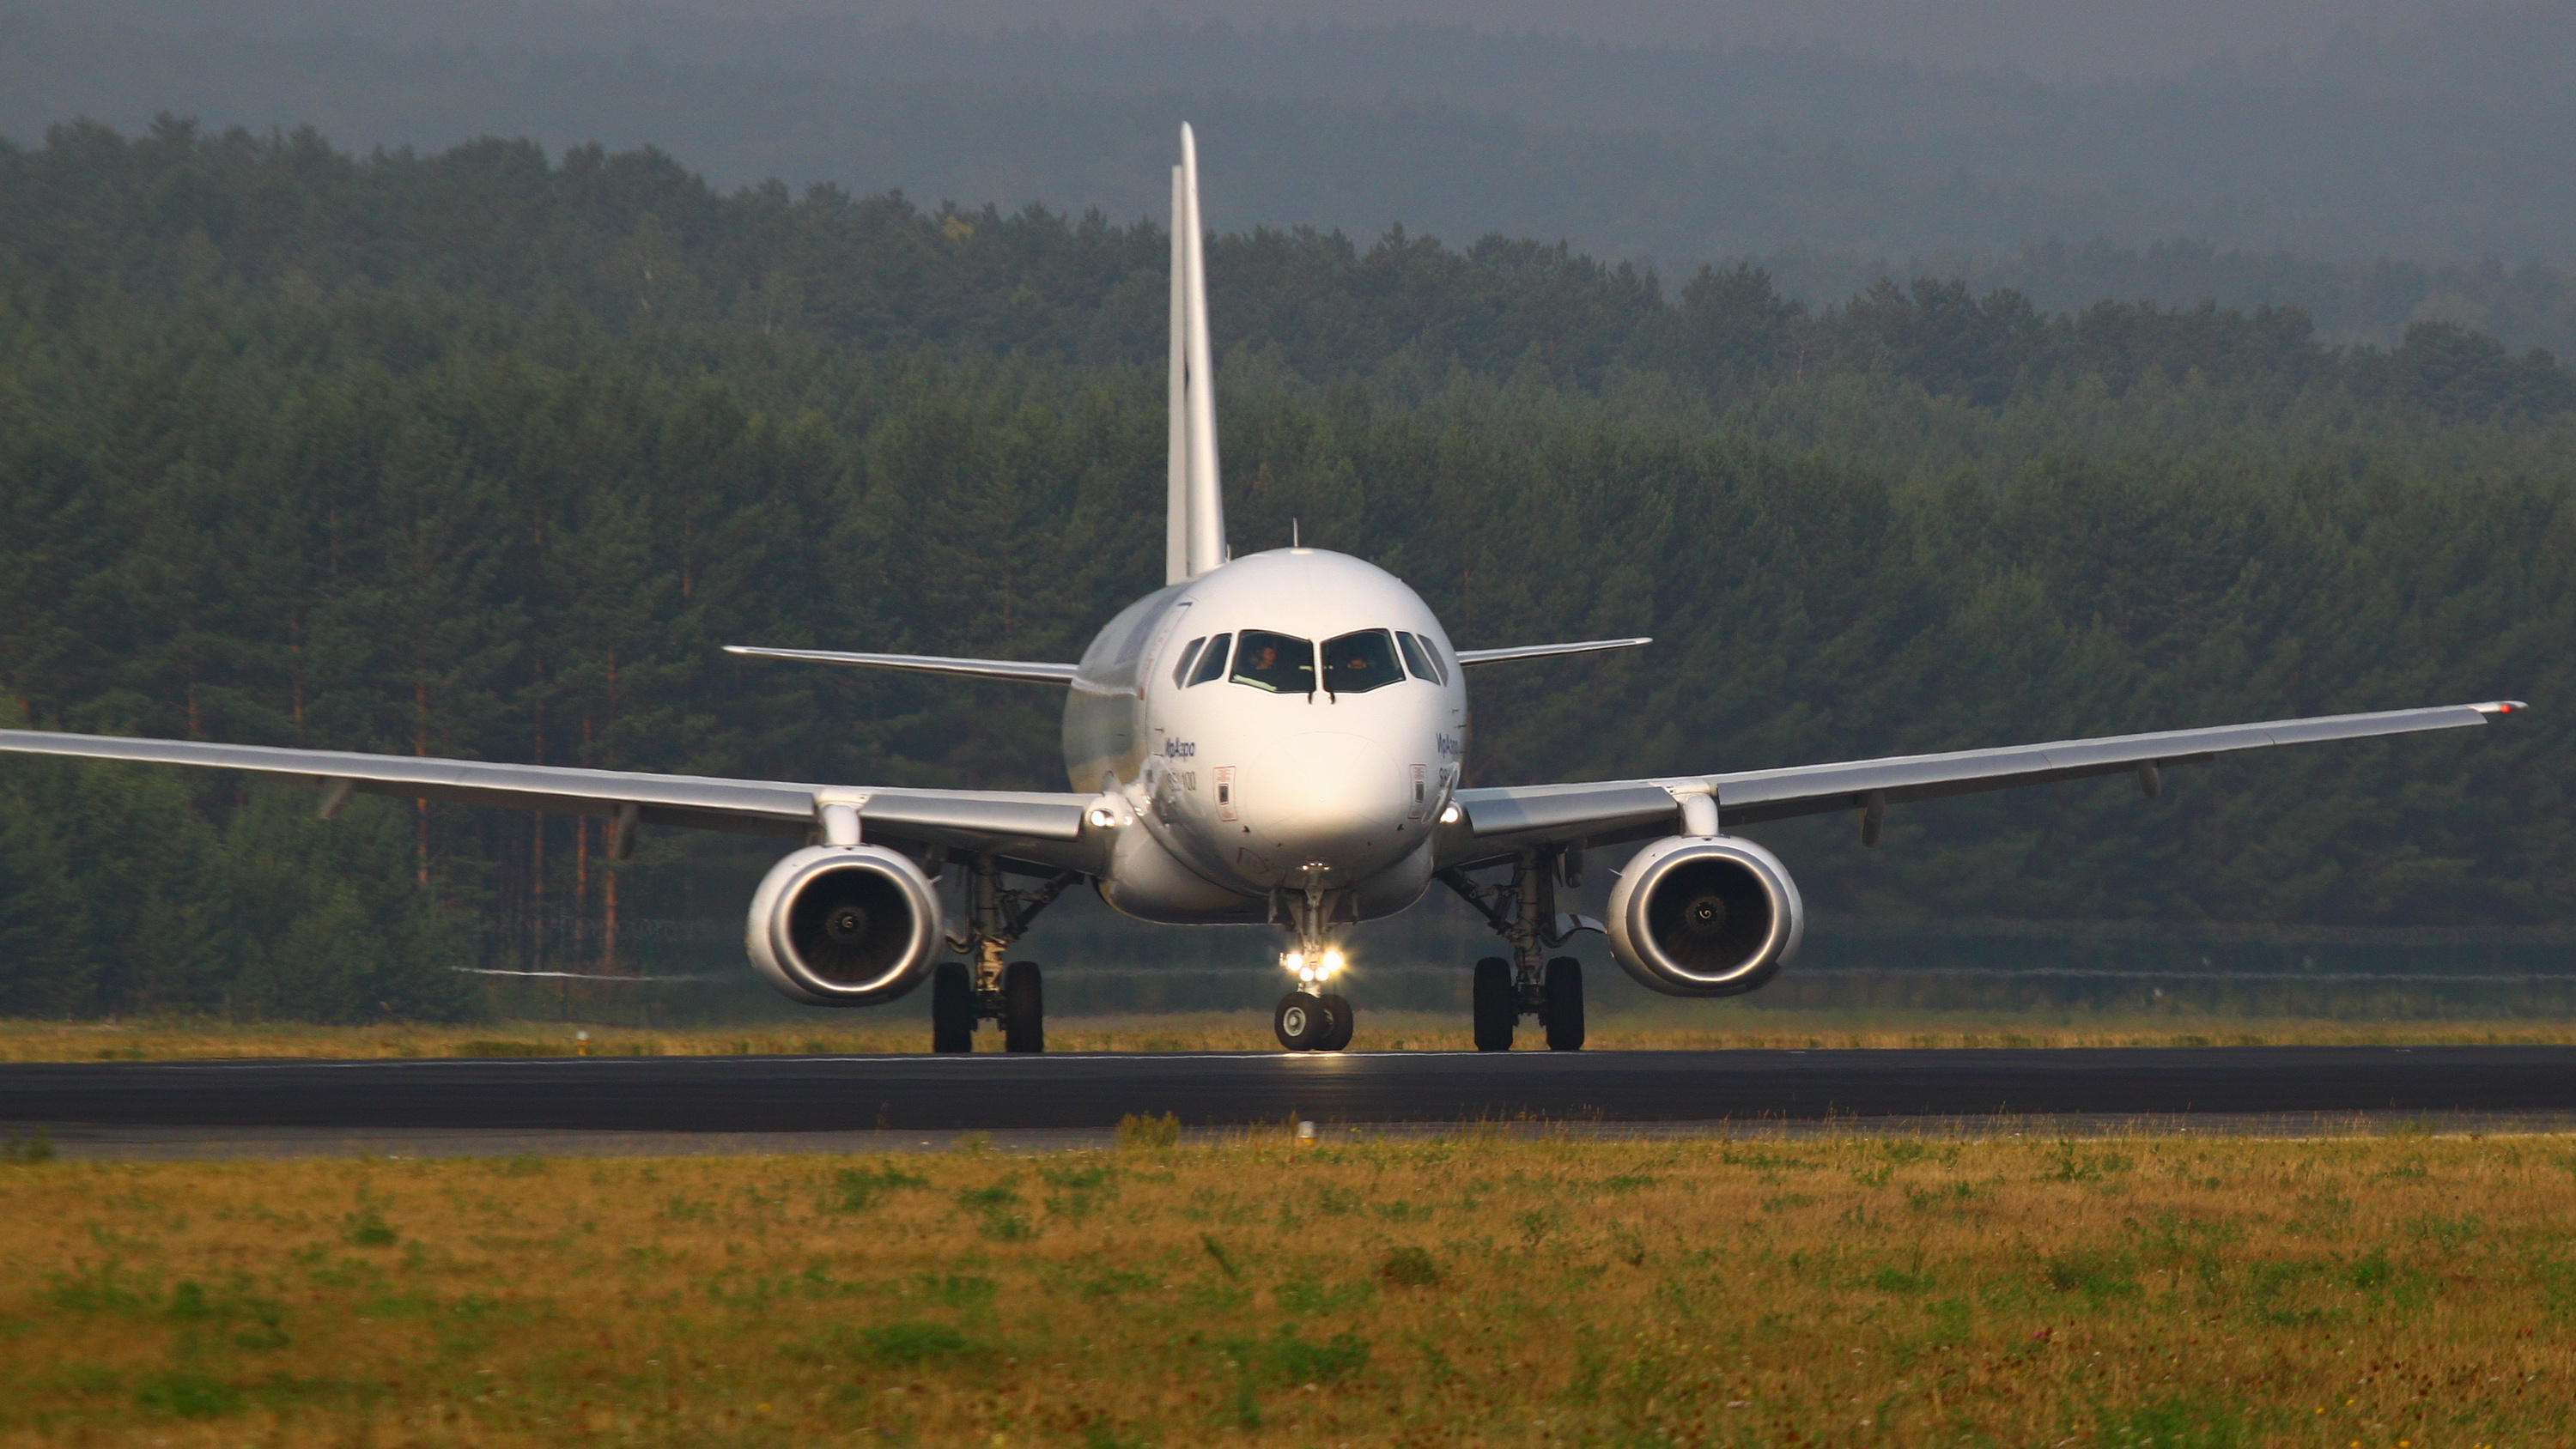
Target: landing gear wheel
pixel 1562 1008
pixel 1342 1023
pixel 1497 1009
pixel 952 1008
pixel 1023 1008
pixel 1302 1020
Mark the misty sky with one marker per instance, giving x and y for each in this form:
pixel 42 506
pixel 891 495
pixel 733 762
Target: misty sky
pixel 2084 39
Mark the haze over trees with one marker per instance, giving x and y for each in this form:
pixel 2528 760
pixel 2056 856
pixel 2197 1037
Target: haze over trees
pixel 483 454
pixel 2411 169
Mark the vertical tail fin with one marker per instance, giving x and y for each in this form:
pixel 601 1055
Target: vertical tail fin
pixel 1194 529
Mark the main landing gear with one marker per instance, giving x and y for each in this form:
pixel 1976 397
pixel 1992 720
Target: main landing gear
pixel 1530 983
pixel 964 995
pixel 1313 1018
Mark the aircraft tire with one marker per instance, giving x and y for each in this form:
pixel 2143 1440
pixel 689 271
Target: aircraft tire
pixel 952 1008
pixel 1302 1021
pixel 1023 1008
pixel 1563 1009
pixel 1497 1012
pixel 1344 1021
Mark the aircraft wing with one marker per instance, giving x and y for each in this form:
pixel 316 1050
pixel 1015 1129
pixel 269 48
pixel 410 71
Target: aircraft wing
pixel 1030 825
pixel 1545 651
pixel 1510 817
pixel 1025 671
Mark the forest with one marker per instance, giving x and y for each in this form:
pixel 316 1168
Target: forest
pixel 486 453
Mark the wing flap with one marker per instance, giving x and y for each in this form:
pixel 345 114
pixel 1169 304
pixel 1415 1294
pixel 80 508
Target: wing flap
pixel 1966 771
pixel 1622 808
pixel 1544 808
pixel 975 819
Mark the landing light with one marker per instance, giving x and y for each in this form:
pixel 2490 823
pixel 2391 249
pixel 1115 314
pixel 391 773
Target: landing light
pixel 1102 817
pixel 1321 968
pixel 1450 814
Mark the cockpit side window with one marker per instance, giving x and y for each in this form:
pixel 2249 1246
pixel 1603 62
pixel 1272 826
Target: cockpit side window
pixel 1417 657
pixel 1280 663
pixel 1189 656
pixel 1212 663
pixel 1358 663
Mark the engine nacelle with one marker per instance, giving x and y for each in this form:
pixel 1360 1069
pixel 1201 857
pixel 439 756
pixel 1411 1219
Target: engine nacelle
pixel 1705 915
pixel 844 925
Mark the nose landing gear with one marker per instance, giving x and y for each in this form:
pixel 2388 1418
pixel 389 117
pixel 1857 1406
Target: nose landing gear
pixel 1306 1022
pixel 1310 1019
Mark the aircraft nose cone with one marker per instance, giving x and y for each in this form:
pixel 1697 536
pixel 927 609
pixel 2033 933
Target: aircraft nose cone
pixel 1329 797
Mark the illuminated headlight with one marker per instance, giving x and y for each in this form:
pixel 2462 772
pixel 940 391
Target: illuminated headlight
pixel 1294 961
pixel 1102 817
pixel 1450 814
pixel 1332 962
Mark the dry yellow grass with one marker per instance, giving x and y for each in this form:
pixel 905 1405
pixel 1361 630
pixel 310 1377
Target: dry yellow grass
pixel 22 1040
pixel 1472 1290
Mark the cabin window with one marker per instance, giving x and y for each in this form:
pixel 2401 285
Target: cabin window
pixel 1358 663
pixel 1417 657
pixel 1189 656
pixel 1280 663
pixel 1212 663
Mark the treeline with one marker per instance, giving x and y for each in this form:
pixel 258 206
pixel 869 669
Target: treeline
pixel 437 456
pixel 2528 303
pixel 2449 144
pixel 613 244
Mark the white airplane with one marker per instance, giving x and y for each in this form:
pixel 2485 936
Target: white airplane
pixel 1271 739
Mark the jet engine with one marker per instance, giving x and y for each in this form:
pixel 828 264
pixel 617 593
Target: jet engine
pixel 844 925
pixel 1706 915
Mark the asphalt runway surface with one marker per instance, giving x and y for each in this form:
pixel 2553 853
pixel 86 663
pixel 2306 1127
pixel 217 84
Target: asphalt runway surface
pixel 999 1092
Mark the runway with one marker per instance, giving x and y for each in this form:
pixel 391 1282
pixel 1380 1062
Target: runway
pixel 997 1092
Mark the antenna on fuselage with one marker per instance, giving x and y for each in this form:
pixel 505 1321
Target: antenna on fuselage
pixel 1194 521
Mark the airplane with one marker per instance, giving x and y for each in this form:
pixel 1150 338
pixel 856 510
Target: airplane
pixel 1277 739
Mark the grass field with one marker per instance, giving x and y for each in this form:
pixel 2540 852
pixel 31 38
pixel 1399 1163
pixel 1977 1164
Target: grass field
pixel 22 1040
pixel 2393 1291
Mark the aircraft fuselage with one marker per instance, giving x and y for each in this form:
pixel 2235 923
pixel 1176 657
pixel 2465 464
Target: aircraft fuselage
pixel 1290 720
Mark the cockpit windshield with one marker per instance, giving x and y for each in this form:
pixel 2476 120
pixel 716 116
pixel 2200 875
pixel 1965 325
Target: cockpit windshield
pixel 1280 663
pixel 1358 663
pixel 1212 663
pixel 1417 657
